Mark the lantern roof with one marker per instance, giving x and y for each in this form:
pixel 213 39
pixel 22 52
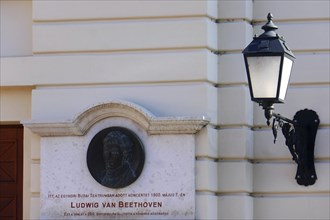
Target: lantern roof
pixel 269 43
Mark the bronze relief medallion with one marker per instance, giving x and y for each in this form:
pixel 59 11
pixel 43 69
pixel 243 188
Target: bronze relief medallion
pixel 115 157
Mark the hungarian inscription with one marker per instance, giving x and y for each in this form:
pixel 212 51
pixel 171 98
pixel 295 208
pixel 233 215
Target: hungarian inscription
pixel 116 204
pixel 115 157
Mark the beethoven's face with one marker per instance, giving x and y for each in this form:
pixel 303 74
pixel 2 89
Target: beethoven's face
pixel 112 156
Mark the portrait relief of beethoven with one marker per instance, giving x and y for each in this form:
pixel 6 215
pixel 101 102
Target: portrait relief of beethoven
pixel 115 157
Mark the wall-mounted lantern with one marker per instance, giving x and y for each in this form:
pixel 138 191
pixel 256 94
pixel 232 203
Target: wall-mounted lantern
pixel 268 62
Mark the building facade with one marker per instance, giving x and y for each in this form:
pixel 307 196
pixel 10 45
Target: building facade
pixel 174 58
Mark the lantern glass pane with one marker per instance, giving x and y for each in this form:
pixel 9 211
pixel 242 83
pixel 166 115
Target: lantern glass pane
pixel 264 73
pixel 286 71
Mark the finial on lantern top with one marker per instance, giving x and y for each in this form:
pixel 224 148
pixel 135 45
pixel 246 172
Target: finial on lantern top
pixel 269 27
pixel 269 16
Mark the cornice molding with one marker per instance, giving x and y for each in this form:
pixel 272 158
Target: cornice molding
pixel 85 120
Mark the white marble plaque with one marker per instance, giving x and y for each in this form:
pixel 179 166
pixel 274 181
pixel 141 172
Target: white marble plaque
pixel 165 189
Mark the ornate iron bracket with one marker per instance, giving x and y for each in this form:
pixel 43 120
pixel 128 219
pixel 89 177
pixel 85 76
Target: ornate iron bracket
pixel 300 136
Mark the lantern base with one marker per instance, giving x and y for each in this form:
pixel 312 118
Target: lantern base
pixel 269 110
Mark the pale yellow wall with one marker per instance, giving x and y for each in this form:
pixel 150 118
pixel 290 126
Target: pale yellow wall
pixel 15 28
pixel 15 104
pixel 161 57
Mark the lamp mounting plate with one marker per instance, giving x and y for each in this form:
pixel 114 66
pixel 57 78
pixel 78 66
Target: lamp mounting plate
pixel 301 143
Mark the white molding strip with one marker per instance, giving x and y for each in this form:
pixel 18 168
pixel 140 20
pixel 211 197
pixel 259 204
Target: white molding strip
pixel 84 121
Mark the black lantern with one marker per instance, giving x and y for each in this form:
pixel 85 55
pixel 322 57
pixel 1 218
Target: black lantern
pixel 268 63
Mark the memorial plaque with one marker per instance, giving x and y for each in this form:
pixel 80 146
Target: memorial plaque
pixel 115 157
pixel 118 171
